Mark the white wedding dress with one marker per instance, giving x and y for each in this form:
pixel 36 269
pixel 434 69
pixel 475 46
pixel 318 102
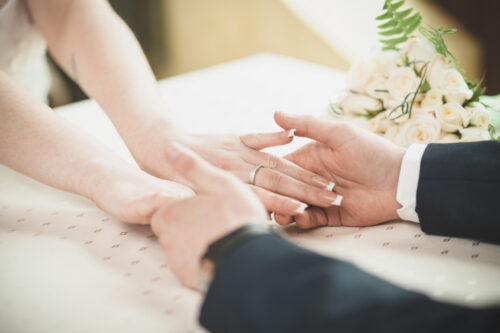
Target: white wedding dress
pixel 23 49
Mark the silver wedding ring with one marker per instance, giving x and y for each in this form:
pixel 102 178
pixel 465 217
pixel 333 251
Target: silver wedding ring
pixel 253 172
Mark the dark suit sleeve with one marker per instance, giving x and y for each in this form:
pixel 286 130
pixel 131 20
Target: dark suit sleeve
pixel 271 285
pixel 458 190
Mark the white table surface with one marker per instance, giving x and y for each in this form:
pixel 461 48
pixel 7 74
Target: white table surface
pixel 66 266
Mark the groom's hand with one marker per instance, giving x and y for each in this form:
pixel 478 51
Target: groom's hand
pixel 186 227
pixel 364 167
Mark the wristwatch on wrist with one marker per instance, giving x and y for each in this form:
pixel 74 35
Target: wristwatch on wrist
pixel 219 249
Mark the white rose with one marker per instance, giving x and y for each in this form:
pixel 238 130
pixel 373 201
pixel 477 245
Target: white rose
pixel 359 74
pixel 455 98
pixel 454 87
pixel 376 86
pixel 379 123
pixel 385 62
pixel 392 132
pixel 402 81
pixel 359 104
pixel 420 51
pixel 479 116
pixel 420 129
pixel 389 102
pixel 471 134
pixel 436 70
pixel 448 138
pixel 453 81
pixel 452 117
pixel 432 100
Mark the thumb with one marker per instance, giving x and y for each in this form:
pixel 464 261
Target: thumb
pixel 260 141
pixel 328 132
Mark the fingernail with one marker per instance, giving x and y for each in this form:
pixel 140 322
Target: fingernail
pixel 330 186
pixel 301 209
pixel 173 151
pixel 332 198
pixel 322 182
pixel 338 200
pixel 291 133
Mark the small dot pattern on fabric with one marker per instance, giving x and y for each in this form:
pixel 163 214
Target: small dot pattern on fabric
pixel 65 266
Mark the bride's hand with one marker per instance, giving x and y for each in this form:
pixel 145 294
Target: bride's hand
pixel 133 195
pixel 276 183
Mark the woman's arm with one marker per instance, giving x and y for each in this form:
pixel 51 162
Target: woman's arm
pixel 97 49
pixel 35 141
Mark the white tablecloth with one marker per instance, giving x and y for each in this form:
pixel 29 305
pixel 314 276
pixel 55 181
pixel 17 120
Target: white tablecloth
pixel 65 266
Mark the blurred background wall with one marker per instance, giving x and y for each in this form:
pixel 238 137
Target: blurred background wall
pixel 179 36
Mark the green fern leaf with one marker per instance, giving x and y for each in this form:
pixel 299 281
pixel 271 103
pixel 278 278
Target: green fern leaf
pixel 394 41
pixel 395 6
pixel 412 23
pixel 399 24
pixel 391 32
pixel 383 17
pixel 401 15
pixel 436 38
pixel 478 90
pixel 389 24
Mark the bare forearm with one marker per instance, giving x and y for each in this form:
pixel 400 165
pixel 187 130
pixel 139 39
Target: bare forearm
pixel 98 50
pixel 40 144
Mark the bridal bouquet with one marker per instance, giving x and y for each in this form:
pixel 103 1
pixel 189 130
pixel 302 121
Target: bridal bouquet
pixel 412 90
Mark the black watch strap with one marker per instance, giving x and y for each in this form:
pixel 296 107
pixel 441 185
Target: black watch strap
pixel 220 248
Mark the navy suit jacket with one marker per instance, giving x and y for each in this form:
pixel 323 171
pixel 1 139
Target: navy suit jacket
pixel 271 285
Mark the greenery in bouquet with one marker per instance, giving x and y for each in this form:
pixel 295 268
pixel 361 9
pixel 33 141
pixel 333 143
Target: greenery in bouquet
pixel 412 90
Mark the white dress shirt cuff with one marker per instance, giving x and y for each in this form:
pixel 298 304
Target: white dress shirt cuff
pixel 408 182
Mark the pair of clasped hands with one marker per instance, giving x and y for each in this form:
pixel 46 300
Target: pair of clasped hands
pixel 364 168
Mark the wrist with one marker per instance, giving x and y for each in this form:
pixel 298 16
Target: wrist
pixel 103 176
pixel 218 250
pixel 148 142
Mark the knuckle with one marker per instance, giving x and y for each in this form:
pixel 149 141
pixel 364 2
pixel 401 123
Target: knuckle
pixel 225 162
pixel 273 162
pixel 157 197
pixel 302 223
pixel 187 163
pixel 281 220
pixel 166 216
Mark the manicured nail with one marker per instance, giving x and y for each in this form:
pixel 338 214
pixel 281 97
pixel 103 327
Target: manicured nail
pixel 301 209
pixel 331 198
pixel 330 186
pixel 322 182
pixel 291 133
pixel 338 201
